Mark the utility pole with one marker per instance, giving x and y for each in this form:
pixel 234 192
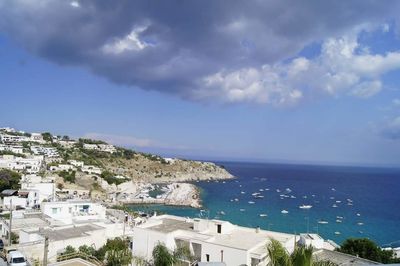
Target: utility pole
pixel 10 224
pixel 46 250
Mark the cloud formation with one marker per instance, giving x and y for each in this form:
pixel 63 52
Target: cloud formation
pixel 226 52
pixel 392 129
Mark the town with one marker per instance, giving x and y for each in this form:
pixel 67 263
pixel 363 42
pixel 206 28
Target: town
pixel 47 220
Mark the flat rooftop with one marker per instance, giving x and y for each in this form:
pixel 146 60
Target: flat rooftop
pixel 342 258
pixel 168 225
pixel 69 232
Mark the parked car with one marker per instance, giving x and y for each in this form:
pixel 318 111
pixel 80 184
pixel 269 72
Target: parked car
pixel 1 245
pixel 16 258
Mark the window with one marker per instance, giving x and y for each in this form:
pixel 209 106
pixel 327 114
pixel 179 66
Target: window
pixel 219 228
pixel 54 210
pixel 207 257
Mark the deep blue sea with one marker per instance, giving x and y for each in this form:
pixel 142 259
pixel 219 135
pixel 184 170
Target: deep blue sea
pixel 373 192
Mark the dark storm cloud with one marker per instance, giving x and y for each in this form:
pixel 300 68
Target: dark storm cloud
pixel 174 44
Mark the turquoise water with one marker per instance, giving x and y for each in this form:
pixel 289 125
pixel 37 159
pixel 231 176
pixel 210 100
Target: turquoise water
pixel 373 192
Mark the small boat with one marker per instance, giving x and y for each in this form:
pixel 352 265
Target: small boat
pixel 337 233
pixel 231 200
pixel 292 197
pixel 322 222
pixel 313 195
pixel 349 200
pixel 261 190
pixel 242 210
pixel 266 189
pixel 360 223
pixel 338 220
pixel 334 206
pixel 333 189
pixel 338 201
pixel 240 185
pixel 304 197
pixel 222 213
pixel 339 217
pixel 242 192
pixel 288 190
pixel 305 206
pixel 284 212
pixel 259 196
pixel 358 214
pixel 332 197
pixel 349 203
pixel 223 182
pixel 263 215
pixel 251 202
pixel 255 193
pixel 360 232
pixel 236 199
pixel 278 190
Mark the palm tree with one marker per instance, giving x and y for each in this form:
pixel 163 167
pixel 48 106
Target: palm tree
pixel 301 256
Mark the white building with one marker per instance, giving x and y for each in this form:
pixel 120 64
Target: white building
pixel 13 138
pixel 46 151
pixel 67 143
pixel 76 163
pixel 62 167
pixel 72 211
pixel 208 240
pixel 90 146
pixel 107 148
pixel 29 165
pixel 37 137
pixel 91 169
pixel 46 190
pixel 26 199
pixel 12 148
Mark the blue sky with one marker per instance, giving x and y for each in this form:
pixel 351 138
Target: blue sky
pixel 332 97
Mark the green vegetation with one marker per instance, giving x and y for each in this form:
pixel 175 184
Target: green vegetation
pixel 162 256
pixel 9 179
pixel 47 136
pixel 68 176
pixel 14 238
pixel 367 249
pixel 90 141
pixel 301 256
pixel 111 179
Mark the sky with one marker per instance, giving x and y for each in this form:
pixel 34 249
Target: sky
pixel 281 81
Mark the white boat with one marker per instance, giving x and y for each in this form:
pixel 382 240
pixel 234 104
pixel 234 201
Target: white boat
pixel 292 197
pixel 256 193
pixel 305 206
pixel 338 220
pixel 236 199
pixel 284 212
pixel 337 233
pixel 242 192
pixel 334 206
pixel 332 197
pixel 263 215
pixel 322 222
pixel 360 223
pixel 251 202
pixel 304 197
pixel 222 212
pixel 259 196
pixel 278 190
pixel 242 210
pixel 338 201
pixel 349 203
pixel 288 190
pixel 261 190
pixel 358 214
pixel 339 217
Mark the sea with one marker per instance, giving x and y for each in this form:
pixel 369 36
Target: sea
pixel 346 201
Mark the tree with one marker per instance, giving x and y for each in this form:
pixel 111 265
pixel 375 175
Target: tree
pixel 301 256
pixel 367 249
pixel 162 256
pixel 47 136
pixel 9 179
pixel 117 252
pixel 69 250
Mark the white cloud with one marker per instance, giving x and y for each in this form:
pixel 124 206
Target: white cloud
pixel 75 4
pixel 130 42
pixel 343 66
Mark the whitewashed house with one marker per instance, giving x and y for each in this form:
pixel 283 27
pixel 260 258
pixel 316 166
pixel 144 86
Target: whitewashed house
pixel 46 151
pixel 73 211
pixel 62 167
pixel 208 240
pixel 91 169
pixel 90 146
pixel 46 190
pixel 107 148
pixel 37 137
pixel 13 138
pixel 30 165
pixel 12 148
pixel 76 163
pixel 26 199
